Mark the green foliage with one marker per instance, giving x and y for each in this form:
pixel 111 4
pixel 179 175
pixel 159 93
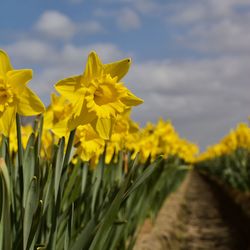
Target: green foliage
pixel 59 205
pixel 233 169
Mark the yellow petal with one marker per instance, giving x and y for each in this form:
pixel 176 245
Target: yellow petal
pixel 53 99
pixel 69 87
pixel 18 78
pixel 118 69
pixel 81 115
pixel 6 120
pixel 5 64
pixel 94 67
pixel 61 129
pixel 48 119
pixel 104 127
pixel 130 99
pixel 28 103
pixel 79 107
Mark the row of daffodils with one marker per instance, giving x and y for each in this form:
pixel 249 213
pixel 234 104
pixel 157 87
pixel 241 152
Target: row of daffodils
pixel 83 175
pixel 229 160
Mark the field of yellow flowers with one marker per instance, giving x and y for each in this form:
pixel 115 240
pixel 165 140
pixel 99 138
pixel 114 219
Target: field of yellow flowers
pixel 227 165
pixel 83 175
pixel 229 160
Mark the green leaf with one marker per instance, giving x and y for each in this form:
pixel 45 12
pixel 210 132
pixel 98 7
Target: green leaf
pixel 58 166
pixel 31 205
pixel 109 217
pixel 28 171
pixel 5 230
pixel 97 179
pixel 71 180
pixel 85 236
pixel 84 177
pixel 47 194
pixel 140 180
pixel 34 232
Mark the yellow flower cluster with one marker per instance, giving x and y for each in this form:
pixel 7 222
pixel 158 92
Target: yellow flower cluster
pixel 151 141
pixel 237 138
pixel 95 106
pixel 162 139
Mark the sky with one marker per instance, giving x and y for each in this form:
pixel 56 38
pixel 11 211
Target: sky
pixel 190 58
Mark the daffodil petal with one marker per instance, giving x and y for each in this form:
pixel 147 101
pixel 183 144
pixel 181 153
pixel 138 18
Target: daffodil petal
pixel 48 118
pixel 53 98
pixel 18 78
pixel 94 67
pixel 78 107
pixel 6 120
pixel 104 127
pixel 29 103
pixel 5 64
pixel 118 69
pixel 83 117
pixel 61 129
pixel 130 99
pixel 68 87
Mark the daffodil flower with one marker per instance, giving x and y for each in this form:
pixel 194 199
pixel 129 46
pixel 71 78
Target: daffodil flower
pixel 15 96
pixel 98 95
pixel 57 115
pixel 89 144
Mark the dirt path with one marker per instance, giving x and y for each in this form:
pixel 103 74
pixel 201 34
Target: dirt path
pixel 196 217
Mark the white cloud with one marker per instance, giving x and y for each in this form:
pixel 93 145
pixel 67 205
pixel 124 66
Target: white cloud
pixel 227 35
pixel 125 18
pixel 43 53
pixel 128 19
pixel 191 13
pixel 30 51
pixel 142 6
pixel 214 26
pixel 90 27
pixel 55 25
pixel 148 6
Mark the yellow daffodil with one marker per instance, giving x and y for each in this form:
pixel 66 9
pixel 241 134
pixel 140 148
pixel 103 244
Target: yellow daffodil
pixel 57 115
pixel 48 141
pixel 161 139
pixel 236 138
pixel 15 96
pixel 89 144
pixel 25 133
pixel 123 128
pixel 98 95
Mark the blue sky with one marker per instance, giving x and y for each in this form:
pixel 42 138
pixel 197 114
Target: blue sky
pixel 191 58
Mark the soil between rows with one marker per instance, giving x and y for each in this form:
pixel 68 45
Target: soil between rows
pixel 199 216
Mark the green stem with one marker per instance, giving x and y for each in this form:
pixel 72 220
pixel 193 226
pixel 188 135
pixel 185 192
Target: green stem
pixel 69 147
pixel 7 153
pixel 19 141
pixel 20 163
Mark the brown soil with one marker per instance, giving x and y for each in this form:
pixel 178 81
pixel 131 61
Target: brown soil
pixel 199 216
